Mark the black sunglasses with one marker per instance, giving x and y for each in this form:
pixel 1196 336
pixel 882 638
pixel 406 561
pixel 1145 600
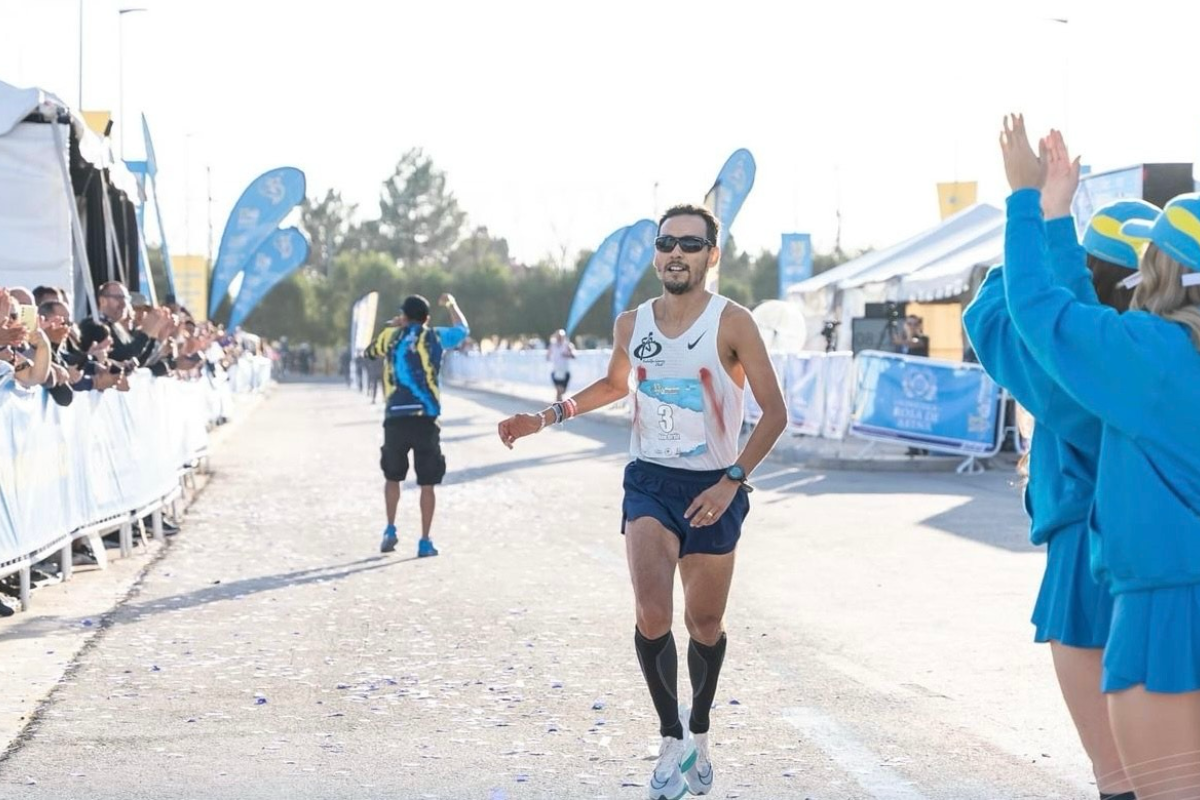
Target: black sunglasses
pixel 688 244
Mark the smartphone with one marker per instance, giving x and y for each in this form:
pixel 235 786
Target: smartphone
pixel 27 316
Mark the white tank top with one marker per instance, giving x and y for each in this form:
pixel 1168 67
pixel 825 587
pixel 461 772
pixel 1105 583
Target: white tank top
pixel 687 410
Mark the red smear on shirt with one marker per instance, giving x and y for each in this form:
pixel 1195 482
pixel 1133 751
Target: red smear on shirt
pixel 710 391
pixel 641 376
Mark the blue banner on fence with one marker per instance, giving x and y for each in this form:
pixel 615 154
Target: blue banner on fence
pixel 795 261
pixel 598 275
pixel 734 182
pixel 256 214
pixel 637 252
pixel 277 257
pixel 805 392
pixel 941 405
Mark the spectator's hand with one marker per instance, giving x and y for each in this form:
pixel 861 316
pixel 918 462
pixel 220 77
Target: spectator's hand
pixel 1022 166
pixel 99 350
pixel 153 322
pixel 15 335
pixel 1062 177
pixel 74 375
pixel 59 376
pixel 446 300
pixel 38 340
pixel 54 325
pixel 167 330
pixel 5 305
pixel 104 379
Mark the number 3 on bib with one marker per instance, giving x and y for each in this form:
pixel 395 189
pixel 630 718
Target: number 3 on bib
pixel 670 422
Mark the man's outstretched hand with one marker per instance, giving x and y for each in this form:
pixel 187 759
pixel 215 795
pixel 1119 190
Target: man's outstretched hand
pixel 518 426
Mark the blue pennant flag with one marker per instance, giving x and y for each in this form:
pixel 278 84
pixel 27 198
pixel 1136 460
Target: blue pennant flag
pixel 256 214
pixel 795 261
pixel 726 196
pixel 280 255
pixel 597 276
pixel 637 253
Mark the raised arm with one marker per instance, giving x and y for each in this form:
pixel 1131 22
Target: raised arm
pixel 1004 356
pixel 1093 353
pixel 456 316
pixel 1068 259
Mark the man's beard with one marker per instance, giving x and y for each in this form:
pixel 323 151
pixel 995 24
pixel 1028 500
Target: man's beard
pixel 680 288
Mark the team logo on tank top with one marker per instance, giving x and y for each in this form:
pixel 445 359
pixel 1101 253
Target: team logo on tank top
pixel 648 349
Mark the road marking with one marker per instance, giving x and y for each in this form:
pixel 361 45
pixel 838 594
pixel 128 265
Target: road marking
pixel 856 759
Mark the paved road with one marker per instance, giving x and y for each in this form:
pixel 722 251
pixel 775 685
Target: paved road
pixel 879 636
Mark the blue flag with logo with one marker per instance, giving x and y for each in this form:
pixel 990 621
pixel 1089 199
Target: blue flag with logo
pixel 945 406
pixel 726 196
pixel 256 214
pixel 795 260
pixel 637 251
pixel 598 275
pixel 279 256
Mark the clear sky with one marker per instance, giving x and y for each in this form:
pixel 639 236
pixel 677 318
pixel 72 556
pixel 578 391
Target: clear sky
pixel 556 121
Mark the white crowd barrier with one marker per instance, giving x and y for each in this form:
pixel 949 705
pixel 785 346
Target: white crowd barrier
pixel 936 405
pixel 101 464
pixel 522 366
pixel 249 374
pixel 818 389
pixel 818 386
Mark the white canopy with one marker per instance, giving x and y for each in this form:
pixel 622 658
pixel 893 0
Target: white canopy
pixel 934 264
pixel 37 201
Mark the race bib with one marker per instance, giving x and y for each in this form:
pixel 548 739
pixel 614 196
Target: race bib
pixel 671 418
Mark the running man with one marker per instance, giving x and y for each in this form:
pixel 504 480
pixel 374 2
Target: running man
pixel 559 354
pixel 412 360
pixel 690 353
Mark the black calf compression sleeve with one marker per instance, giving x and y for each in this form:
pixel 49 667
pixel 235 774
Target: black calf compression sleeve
pixel 660 666
pixel 704 667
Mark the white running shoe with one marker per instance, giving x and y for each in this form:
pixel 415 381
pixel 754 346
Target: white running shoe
pixel 674 757
pixel 699 776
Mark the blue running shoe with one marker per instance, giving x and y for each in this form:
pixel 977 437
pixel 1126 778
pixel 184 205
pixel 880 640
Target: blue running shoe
pixel 425 548
pixel 389 539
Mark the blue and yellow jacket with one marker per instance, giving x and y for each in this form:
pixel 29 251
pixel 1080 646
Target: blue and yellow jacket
pixel 1065 449
pixel 412 363
pixel 1140 375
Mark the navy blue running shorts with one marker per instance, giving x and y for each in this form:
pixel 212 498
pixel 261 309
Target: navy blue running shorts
pixel 665 493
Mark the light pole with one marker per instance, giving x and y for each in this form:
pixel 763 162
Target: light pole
pixel 121 68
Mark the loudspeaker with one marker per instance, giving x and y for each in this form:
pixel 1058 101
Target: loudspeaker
pixel 1161 182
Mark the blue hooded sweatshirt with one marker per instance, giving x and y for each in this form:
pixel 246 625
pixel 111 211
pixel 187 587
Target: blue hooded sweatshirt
pixel 1066 441
pixel 1140 374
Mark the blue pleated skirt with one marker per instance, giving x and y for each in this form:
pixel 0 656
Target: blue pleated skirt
pixel 1071 607
pixel 1155 641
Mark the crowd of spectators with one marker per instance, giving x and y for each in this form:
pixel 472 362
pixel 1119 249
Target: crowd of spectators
pixel 42 349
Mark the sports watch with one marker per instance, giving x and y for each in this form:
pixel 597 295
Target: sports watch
pixel 737 474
